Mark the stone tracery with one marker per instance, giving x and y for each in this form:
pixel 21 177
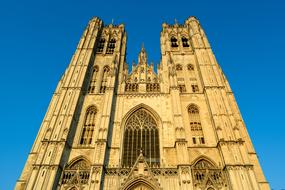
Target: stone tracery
pixel 141 133
pixel 76 173
pixel 206 175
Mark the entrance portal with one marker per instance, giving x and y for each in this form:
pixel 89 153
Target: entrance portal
pixel 141 186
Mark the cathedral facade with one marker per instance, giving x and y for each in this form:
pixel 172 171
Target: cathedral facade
pixel 175 129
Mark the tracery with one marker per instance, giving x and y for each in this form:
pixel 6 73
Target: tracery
pixel 88 126
pixel 207 175
pixel 77 172
pixel 141 134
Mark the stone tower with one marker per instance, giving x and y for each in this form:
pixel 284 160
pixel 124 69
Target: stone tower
pixel 177 128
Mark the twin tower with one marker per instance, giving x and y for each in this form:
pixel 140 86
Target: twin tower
pixel 175 129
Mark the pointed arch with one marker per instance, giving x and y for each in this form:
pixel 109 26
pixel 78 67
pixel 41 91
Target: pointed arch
pixel 77 171
pixel 141 132
pixel 185 41
pixel 203 159
pixel 195 124
pixel 106 70
pixel 206 174
pixel 93 80
pixel 139 106
pixel 88 126
pixel 79 160
pixel 174 42
pixel 101 45
pixel 193 106
pixel 140 182
pixel 111 46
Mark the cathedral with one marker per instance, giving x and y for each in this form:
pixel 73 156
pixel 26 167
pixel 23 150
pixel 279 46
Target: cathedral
pixel 177 128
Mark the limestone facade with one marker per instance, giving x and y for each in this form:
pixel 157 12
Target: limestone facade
pixel 179 128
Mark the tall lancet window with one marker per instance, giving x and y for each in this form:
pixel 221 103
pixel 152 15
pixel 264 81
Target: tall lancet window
pixel 88 126
pixel 141 134
pixel 111 46
pixel 106 70
pixel 91 88
pixel 195 125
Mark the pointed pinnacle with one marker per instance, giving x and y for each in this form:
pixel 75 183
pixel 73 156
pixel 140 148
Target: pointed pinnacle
pixel 175 20
pixel 143 47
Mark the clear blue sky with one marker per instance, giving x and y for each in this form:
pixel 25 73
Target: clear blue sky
pixel 38 39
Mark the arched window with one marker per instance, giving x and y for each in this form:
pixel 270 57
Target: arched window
pixel 195 88
pixel 173 41
pixel 101 45
pixel 190 67
pixel 182 88
pixel 88 126
pixel 111 46
pixel 207 175
pixel 195 124
pixel 106 70
pixel 141 133
pixel 77 172
pixel 91 88
pixel 178 67
pixel 185 42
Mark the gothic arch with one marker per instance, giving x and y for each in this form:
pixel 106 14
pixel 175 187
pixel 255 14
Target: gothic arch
pixel 153 132
pixel 101 44
pixel 202 157
pixel 106 68
pixel 76 172
pixel 137 182
pixel 73 188
pixel 174 41
pixel 104 77
pixel 185 40
pixel 193 105
pixel 184 34
pixel 207 175
pixel 76 159
pixel 139 106
pixel 90 107
pixel 172 34
pixel 88 126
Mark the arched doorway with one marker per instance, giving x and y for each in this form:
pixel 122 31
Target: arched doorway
pixel 141 186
